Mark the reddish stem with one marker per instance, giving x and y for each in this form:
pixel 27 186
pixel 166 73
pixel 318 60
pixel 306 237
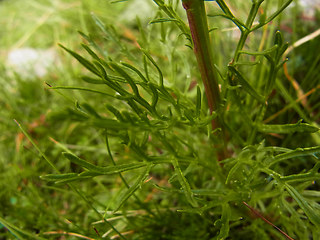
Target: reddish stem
pixel 258 214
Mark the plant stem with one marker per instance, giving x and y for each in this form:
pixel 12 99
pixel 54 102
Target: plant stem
pixel 247 29
pixel 198 24
pixel 202 48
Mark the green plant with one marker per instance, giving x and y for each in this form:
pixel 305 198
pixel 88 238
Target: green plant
pixel 211 158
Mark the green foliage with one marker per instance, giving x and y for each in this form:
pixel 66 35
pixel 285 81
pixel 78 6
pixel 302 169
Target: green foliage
pixel 137 155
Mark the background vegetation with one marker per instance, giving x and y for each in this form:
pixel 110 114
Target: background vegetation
pixel 150 169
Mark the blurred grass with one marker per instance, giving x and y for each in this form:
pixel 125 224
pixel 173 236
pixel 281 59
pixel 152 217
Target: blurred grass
pixel 30 203
pixel 41 24
pixel 24 200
